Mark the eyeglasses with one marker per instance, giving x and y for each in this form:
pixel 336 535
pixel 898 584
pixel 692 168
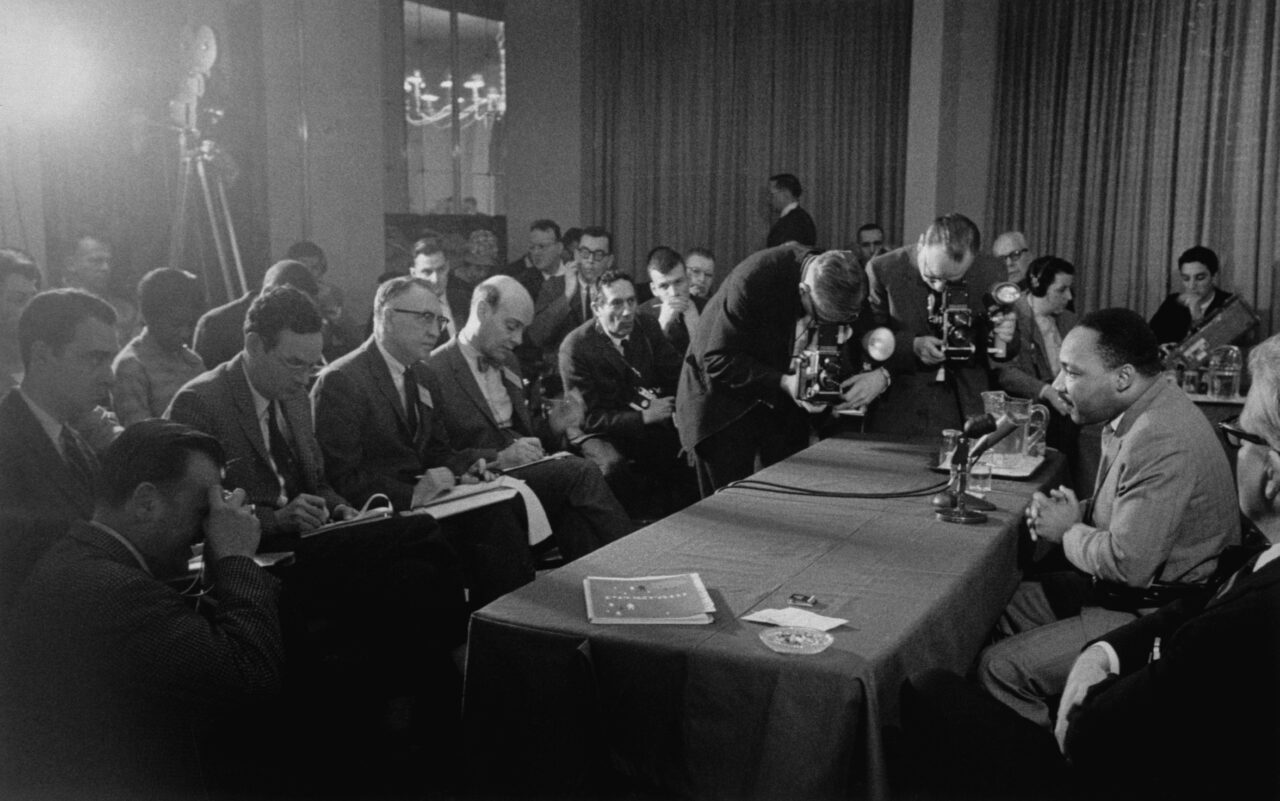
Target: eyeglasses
pixel 425 317
pixel 1234 434
pixel 1014 255
pixel 592 255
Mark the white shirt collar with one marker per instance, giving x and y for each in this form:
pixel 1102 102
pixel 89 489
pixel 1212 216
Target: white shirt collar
pixel 469 351
pixel 795 204
pixel 1267 556
pixel 105 529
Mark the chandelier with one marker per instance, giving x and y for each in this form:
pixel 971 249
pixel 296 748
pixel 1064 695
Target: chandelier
pixel 422 107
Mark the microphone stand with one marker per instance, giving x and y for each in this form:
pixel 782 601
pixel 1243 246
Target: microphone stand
pixel 955 504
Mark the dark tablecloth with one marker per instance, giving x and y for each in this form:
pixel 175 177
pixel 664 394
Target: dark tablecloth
pixel 708 711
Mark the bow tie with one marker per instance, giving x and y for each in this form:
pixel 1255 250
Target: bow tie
pixel 483 363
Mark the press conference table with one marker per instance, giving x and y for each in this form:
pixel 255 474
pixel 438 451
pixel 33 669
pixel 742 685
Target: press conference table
pixel 708 711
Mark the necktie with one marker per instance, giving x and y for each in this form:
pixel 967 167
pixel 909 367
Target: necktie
pixel 74 454
pixel 411 401
pixel 282 454
pixel 582 293
pixel 629 351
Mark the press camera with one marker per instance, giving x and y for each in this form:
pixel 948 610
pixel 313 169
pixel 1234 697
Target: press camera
pixel 821 370
pixel 957 321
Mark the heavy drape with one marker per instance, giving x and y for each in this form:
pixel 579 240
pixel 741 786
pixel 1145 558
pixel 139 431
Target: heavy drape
pixel 1129 130
pixel 688 107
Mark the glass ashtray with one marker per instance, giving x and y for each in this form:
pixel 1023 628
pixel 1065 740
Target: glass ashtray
pixel 796 640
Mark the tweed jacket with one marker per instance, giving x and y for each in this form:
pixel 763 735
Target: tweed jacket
pixel 220 403
pixel 107 673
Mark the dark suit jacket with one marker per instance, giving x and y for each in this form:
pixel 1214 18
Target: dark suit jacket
pixel 554 315
pixel 530 277
pixel 916 403
pixel 459 294
pixel 36 485
pixel 591 364
pixel 742 346
pixel 220 403
pixel 677 332
pixel 1202 721
pixel 1172 321
pixel 107 673
pixel 219 332
pixel 364 434
pixel 795 226
pixel 465 414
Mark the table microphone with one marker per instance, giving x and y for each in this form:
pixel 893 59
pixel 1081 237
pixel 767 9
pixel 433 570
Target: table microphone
pixel 954 504
pixel 993 431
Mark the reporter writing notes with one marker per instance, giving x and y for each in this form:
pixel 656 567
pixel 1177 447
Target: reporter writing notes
pixel 910 293
pixel 737 397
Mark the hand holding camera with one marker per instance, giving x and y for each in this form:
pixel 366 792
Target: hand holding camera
pixel 230 528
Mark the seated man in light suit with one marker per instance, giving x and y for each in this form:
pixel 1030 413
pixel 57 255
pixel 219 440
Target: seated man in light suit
pixel 377 425
pixel 476 384
pixel 1163 510
pixel 626 371
pixel 1178 704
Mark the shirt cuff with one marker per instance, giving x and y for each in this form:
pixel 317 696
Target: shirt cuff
pixel 1113 659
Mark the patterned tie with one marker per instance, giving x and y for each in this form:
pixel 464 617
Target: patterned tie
pixel 282 454
pixel 411 401
pixel 75 455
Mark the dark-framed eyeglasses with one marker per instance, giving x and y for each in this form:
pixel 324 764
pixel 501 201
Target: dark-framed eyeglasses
pixel 592 255
pixel 1235 435
pixel 427 318
pixel 1015 254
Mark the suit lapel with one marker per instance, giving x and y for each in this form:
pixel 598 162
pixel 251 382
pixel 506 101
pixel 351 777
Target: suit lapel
pixel 519 411
pixel 1256 581
pixel 611 355
pixel 380 375
pixel 247 410
pixel 462 374
pixel 42 451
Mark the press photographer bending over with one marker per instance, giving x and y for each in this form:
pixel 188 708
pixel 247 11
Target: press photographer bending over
pixel 737 394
